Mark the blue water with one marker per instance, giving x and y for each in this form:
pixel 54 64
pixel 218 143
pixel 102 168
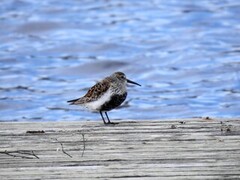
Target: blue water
pixel 186 55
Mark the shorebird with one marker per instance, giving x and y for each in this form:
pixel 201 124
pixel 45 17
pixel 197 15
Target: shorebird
pixel 106 95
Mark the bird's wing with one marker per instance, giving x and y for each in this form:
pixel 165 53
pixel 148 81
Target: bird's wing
pixel 93 93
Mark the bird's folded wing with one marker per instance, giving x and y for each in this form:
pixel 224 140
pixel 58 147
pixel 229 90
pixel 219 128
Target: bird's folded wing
pixel 93 93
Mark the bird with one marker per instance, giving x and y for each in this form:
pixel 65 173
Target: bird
pixel 105 95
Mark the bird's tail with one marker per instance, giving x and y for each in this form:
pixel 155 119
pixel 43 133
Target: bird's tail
pixel 71 102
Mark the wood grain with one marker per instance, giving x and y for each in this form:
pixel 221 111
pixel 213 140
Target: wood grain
pixel 159 149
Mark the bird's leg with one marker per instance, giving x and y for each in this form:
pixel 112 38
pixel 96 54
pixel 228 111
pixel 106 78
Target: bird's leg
pixel 109 122
pixel 102 117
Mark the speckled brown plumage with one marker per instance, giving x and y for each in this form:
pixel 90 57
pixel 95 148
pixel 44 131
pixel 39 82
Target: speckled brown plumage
pixel 93 93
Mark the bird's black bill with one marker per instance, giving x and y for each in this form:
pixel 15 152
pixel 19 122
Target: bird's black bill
pixel 129 81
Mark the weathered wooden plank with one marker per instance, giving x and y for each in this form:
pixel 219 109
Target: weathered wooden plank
pixel 176 149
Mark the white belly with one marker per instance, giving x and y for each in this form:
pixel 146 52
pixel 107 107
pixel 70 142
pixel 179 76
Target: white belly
pixel 96 105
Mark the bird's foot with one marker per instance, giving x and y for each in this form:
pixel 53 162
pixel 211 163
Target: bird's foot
pixel 111 123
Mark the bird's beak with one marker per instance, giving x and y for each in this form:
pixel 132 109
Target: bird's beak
pixel 129 81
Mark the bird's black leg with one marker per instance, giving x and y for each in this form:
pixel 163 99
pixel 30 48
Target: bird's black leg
pixel 102 117
pixel 108 118
pixel 109 122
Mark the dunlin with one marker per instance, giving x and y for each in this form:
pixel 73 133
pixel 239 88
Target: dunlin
pixel 105 95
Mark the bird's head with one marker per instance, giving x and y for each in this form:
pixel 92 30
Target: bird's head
pixel 122 78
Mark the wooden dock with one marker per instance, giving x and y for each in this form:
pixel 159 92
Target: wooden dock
pixel 161 149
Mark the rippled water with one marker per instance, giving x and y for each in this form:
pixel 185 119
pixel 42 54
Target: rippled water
pixel 186 55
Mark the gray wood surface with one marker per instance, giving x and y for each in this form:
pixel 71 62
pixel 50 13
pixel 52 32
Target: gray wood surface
pixel 160 149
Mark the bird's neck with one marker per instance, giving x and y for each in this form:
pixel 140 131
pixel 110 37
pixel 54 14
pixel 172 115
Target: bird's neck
pixel 119 88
